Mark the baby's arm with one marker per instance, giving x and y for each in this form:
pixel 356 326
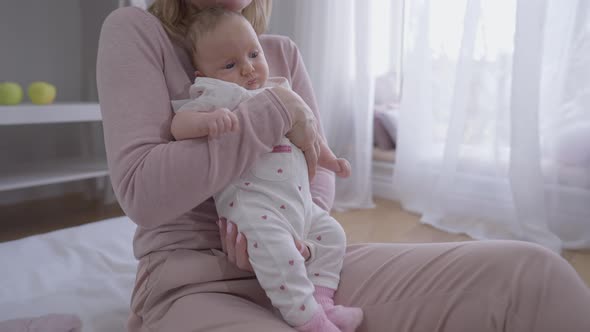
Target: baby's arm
pixel 193 124
pixel 328 160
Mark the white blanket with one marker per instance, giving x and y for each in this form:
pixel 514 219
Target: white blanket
pixel 87 270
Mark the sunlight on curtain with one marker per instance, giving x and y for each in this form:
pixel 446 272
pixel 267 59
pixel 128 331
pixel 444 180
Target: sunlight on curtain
pixel 494 137
pixel 383 50
pixel 338 41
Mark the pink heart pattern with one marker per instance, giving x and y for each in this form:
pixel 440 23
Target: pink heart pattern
pixel 316 274
pixel 280 170
pixel 302 308
pixel 291 262
pixel 319 238
pixel 283 207
pixel 264 217
pixel 231 204
pixel 255 244
pixel 247 183
pixel 282 287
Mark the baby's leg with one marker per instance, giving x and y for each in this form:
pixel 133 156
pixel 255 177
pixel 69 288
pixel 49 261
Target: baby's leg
pixel 280 269
pixel 327 242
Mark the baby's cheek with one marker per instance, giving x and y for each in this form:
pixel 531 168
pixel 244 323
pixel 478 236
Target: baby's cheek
pixel 229 77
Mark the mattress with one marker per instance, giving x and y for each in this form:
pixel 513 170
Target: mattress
pixel 86 270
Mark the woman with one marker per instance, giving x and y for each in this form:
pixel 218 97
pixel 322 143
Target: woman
pixel 184 283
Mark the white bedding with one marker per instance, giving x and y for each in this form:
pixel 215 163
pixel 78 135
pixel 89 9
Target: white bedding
pixel 86 270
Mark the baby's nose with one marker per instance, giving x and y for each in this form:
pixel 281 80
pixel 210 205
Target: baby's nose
pixel 247 69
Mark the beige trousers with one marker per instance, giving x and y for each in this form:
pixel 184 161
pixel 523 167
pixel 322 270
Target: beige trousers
pixel 452 287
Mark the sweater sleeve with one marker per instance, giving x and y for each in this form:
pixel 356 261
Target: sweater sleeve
pixel 323 184
pixel 155 178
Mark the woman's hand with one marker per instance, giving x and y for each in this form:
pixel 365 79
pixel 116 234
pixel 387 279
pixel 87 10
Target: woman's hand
pixel 304 132
pixel 235 245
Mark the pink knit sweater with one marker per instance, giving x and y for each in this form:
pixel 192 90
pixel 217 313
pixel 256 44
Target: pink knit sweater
pixel 163 185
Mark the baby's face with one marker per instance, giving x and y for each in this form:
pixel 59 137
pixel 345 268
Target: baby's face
pixel 231 52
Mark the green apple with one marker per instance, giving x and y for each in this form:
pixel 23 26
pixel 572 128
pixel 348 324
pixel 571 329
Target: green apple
pixel 10 93
pixel 42 93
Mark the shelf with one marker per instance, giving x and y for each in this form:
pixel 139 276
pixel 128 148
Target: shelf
pixel 54 113
pixel 382 179
pixel 383 169
pixel 50 172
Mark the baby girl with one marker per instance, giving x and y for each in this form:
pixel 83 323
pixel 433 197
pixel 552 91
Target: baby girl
pixel 271 204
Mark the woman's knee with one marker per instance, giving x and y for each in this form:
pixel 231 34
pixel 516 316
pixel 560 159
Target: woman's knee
pixel 532 257
pixel 504 268
pixel 527 270
pixel 544 288
pixel 508 254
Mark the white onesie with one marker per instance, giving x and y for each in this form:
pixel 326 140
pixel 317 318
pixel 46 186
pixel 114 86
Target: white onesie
pixel 271 204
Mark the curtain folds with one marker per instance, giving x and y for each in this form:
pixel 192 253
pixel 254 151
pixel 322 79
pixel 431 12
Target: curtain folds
pixel 494 133
pixel 336 39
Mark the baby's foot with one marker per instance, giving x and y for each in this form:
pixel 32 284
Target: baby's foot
pixel 318 323
pixel 348 319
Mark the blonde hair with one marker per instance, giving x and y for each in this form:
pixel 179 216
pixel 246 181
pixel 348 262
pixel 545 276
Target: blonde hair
pixel 177 15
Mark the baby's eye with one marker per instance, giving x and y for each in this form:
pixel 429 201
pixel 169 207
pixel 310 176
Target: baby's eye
pixel 254 54
pixel 230 65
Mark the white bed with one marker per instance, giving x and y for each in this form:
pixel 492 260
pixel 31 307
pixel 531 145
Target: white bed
pixel 86 270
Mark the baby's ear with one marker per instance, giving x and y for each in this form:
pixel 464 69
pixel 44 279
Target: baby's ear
pixel 198 74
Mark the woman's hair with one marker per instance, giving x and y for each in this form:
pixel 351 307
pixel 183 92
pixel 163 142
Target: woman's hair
pixel 176 16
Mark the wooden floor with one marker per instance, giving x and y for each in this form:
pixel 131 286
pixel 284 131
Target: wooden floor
pixel 385 223
pixel 389 223
pixel 35 217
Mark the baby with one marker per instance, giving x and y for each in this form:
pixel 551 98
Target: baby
pixel 271 204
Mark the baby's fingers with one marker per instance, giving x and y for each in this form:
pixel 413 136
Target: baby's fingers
pixel 220 125
pixel 213 129
pixel 235 122
pixel 226 123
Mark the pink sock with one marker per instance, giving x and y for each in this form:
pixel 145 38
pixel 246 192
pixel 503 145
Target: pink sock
pixel 318 323
pixel 347 319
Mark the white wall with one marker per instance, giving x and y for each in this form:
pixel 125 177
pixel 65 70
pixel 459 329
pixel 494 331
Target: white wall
pixel 41 41
pixel 54 41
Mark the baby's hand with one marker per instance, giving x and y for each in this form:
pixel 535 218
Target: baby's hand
pixel 222 121
pixel 344 166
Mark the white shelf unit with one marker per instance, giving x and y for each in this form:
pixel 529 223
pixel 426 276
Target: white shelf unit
pixel 382 179
pixel 46 150
pixel 51 171
pixel 54 113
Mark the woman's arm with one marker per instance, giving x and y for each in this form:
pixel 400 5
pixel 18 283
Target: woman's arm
pixel 322 185
pixel 155 178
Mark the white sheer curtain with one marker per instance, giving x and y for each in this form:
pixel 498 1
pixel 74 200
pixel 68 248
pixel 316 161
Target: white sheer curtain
pixel 494 133
pixel 337 41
